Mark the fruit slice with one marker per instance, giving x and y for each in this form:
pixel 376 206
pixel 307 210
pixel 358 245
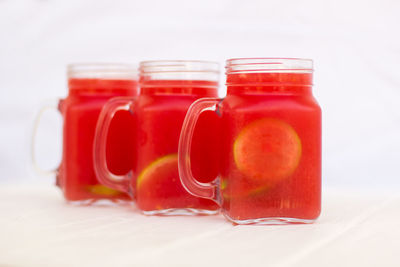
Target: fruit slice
pixel 238 188
pixel 163 168
pixel 102 190
pixel 267 151
pixel 159 187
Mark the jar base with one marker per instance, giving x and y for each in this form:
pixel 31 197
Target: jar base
pixel 270 221
pixel 180 212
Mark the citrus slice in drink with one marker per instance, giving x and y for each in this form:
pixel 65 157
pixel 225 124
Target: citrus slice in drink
pixel 267 151
pixel 159 187
pixel 160 171
pixel 102 190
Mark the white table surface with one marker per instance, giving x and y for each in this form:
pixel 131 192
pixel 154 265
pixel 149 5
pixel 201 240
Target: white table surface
pixel 37 228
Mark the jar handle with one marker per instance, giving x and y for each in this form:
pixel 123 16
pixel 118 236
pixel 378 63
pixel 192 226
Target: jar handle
pixel 190 183
pixel 52 105
pixel 103 174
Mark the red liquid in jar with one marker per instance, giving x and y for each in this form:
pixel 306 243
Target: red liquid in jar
pixel 80 111
pixel 271 145
pixel 160 111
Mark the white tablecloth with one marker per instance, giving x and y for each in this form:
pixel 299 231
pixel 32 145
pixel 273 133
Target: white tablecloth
pixel 37 228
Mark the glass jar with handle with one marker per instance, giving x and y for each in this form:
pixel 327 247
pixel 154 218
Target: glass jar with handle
pixel 168 88
pixel 270 151
pixel 90 87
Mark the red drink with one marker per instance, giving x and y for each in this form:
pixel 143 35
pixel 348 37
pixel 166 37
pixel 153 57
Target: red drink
pixel 270 166
pixel 272 135
pixel 160 111
pixel 167 90
pixel 80 111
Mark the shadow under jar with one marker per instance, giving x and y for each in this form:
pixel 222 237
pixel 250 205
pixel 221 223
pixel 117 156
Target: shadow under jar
pixel 270 153
pixel 168 88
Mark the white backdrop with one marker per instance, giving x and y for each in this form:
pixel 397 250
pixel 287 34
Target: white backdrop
pixel 355 46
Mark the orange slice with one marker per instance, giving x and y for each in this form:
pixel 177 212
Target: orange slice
pixel 102 190
pixel 267 151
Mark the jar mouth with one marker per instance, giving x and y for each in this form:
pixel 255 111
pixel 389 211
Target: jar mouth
pixel 268 65
pixel 110 71
pixel 179 70
pixel 157 66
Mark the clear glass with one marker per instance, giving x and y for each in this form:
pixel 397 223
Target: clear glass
pixel 178 70
pixel 90 87
pixel 268 65
pixel 168 88
pixel 102 71
pixel 270 150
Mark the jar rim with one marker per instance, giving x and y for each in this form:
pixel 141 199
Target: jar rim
pixel 269 64
pixel 102 71
pixel 178 66
pixel 179 70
